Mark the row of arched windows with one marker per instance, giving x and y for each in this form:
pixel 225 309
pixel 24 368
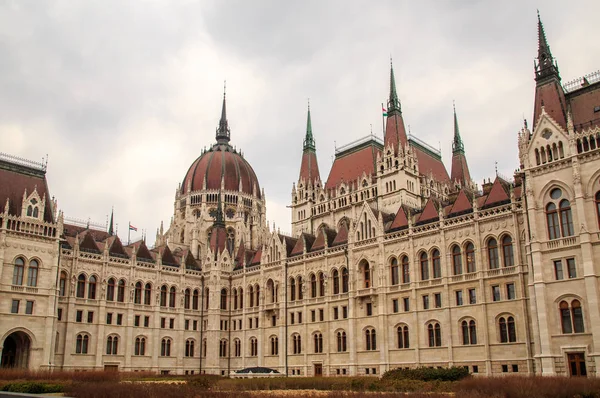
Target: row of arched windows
pixel 463 261
pixel 19 272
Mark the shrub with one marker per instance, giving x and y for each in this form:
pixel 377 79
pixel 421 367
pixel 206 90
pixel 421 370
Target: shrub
pixel 203 382
pixel 453 373
pixel 33 387
pixel 531 387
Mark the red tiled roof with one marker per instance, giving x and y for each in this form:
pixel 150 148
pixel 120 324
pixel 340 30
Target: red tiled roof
pixel 116 246
pixel 582 103
pixel 143 252
pixel 167 257
pixel 460 170
pixel 400 221
pixel 461 204
pixel 341 237
pixel 395 131
pixel 430 212
pixel 319 242
pixel 14 180
pixel 351 166
pixel 429 164
pixel 289 243
pixel 497 193
pixel 552 96
pixel 309 168
pixel 221 162
pixel 257 257
pixel 298 247
pixel 87 242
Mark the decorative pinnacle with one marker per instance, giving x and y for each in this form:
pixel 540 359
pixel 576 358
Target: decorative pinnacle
pixel 309 141
pixel 219 219
pixel 546 65
pixel 457 144
pixel 393 102
pixel 223 131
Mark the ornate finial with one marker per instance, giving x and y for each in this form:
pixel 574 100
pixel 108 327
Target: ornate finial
pixel 393 102
pixel 223 131
pixel 224 88
pixel 309 141
pixel 457 144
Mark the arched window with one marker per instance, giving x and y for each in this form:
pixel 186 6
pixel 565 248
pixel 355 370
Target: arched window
pixel 300 288
pixel 140 346
pixel 112 345
pixel 597 200
pixel 121 291
pixel 223 299
pixel 165 347
pixel 318 339
pixel 457 260
pixel 434 333
pixel 403 338
pixel 110 290
pixel 341 341
pixel 163 296
pixel 437 263
pixel 469 332
pixel 187 295
pixel 274 346
pixel 196 299
pixel 424 266
pixel 371 340
pixel 292 289
pixel 271 291
pixel 345 280
pixel 566 218
pixel 206 298
pixel 507 251
pixel 234 294
pixel 32 274
pixel 313 285
pixel 470 253
pixel 405 270
pixel 81 286
pixel 394 269
pixel 92 287
pixel 189 348
pixel 237 344
pixel 147 294
pixel 321 284
pixel 81 344
pixel 172 297
pixel 251 295
pixel 336 281
pixel 297 344
pixel 253 347
pixel 367 274
pixel 508 333
pixel 257 293
pixel 137 296
pixel 62 284
pixel 571 317
pixel 492 250
pixel 204 345
pixel 552 219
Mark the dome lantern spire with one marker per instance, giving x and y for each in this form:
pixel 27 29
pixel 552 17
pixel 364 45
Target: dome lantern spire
pixel 223 131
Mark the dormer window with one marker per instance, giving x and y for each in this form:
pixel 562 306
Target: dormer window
pixel 32 209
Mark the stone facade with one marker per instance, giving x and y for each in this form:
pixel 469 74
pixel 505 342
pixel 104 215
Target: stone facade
pixel 391 263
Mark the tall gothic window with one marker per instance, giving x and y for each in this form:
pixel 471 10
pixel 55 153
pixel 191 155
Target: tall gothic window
pixel 437 263
pixel 405 270
pixel 336 281
pixel 292 289
pixel 172 297
pixel 371 340
pixel 321 284
pixel 559 218
pixel 163 296
pixel 92 287
pixel 469 332
pixel 492 249
pixel 345 280
pixel 121 291
pixel 223 299
pixel 424 266
pixel 318 339
pixel 140 346
pixel 110 290
pixel 137 296
pixel 434 333
pixel 457 260
pixel 403 337
pixel 186 299
pixel 470 254
pixel 341 341
pixel 507 251
pixel 196 299
pixel 394 269
pixel 81 286
pixel 147 294
pixel 32 273
pixel 62 284
pixel 571 317
pixel 508 333
pixel 597 200
pixel 367 274
pixel 313 285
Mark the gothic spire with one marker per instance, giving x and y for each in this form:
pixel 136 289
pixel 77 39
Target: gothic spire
pixel 309 141
pixel 546 65
pixel 223 129
pixel 393 102
pixel 457 144
pixel 110 226
pixel 219 219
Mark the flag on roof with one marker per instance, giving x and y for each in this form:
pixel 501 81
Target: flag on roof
pixel 384 111
pixel 132 228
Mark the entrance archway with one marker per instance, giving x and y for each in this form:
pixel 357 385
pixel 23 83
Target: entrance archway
pixel 15 350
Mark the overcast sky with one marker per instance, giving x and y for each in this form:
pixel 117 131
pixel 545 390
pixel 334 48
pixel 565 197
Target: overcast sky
pixel 123 95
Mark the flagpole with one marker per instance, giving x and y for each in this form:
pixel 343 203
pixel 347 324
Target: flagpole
pixel 129 233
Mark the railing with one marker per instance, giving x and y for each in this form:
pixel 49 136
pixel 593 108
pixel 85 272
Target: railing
pixel 31 227
pixel 581 82
pixel 359 141
pixel 563 242
pixel 39 166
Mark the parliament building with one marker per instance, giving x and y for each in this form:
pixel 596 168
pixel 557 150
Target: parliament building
pixel 392 261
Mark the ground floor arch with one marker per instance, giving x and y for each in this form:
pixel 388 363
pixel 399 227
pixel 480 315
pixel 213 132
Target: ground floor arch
pixel 16 350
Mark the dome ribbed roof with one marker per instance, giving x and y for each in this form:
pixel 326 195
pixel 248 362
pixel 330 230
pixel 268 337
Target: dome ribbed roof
pixel 221 162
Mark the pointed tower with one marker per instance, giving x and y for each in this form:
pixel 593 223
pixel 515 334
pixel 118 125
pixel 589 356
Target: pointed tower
pixel 110 226
pixel 309 168
pixel 549 93
pixel 223 129
pixel 395 133
pixel 460 169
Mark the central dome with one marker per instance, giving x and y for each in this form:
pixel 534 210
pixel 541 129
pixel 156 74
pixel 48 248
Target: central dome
pixel 221 162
